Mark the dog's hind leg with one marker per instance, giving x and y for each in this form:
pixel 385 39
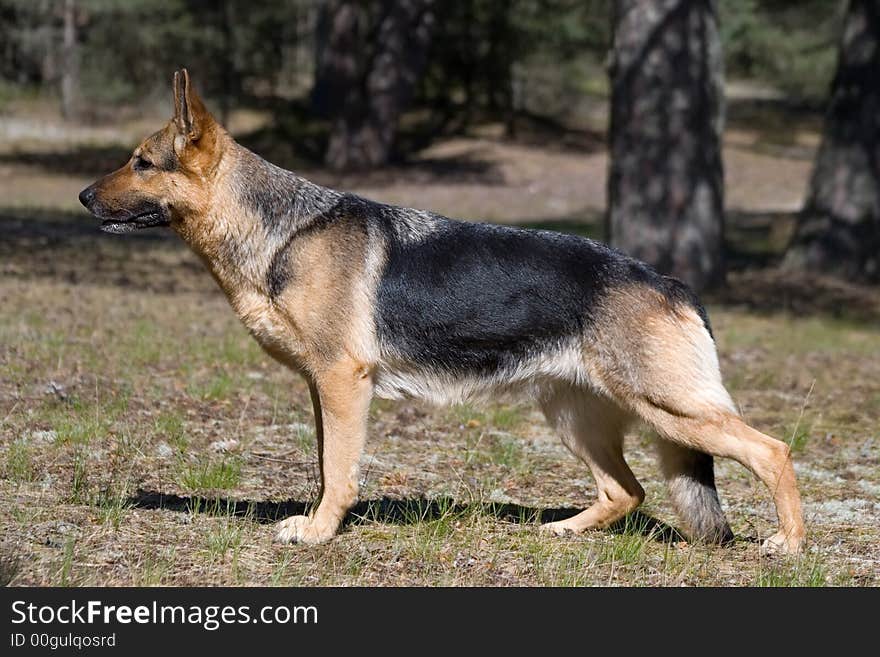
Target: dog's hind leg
pixel 724 434
pixel 592 428
pixel 341 397
pixel 691 479
pixel 665 369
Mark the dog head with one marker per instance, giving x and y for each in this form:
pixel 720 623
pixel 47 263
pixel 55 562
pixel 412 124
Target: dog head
pixel 168 178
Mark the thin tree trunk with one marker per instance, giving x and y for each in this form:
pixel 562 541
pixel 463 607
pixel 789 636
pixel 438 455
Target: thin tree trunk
pixel 226 22
pixel 365 81
pixel 339 91
pixel 48 38
pixel 502 96
pixel 666 183
pixel 470 49
pixel 70 63
pixel 838 231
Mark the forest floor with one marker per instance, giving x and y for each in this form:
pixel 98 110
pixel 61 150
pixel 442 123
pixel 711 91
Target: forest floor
pixel 145 439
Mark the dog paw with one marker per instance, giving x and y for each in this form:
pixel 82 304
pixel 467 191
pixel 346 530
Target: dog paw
pixel 781 543
pixel 302 529
pixel 557 528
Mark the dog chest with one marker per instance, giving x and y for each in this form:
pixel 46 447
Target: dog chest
pixel 266 324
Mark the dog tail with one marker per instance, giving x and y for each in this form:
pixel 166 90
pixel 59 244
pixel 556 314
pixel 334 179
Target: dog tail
pixel 691 478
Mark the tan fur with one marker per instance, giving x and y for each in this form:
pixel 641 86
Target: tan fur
pixel 659 374
pixel 343 396
pixel 726 435
pixel 670 360
pixel 592 428
pixel 322 304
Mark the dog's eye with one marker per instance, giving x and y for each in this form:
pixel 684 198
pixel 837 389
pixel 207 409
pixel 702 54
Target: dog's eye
pixel 141 164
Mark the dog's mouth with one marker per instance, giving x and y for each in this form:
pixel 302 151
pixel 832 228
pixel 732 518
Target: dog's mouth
pixel 149 219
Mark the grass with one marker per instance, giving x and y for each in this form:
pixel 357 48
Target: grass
pixel 143 345
pixel 506 418
pixel 796 336
pixel 226 537
pixel 151 569
pixel 798 436
pixel 203 476
pixel 497 416
pixel 79 422
pixel 9 568
pixel 107 437
pixel 112 507
pixel 304 437
pixel 218 386
pixel 628 546
pixel 82 430
pixel 169 426
pixel 805 571
pixel 20 465
pixel 567 566
pixel 79 486
pixel 65 570
pixel 280 575
pixel 507 451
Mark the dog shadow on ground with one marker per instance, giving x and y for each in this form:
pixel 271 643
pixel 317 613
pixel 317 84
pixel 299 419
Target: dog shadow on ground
pixel 388 510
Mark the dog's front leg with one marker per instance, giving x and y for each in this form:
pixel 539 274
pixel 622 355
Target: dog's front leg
pixel 341 397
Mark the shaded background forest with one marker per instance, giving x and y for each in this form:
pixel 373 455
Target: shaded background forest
pixel 527 56
pixel 352 86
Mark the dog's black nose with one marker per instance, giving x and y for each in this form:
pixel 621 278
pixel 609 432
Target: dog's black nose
pixel 86 196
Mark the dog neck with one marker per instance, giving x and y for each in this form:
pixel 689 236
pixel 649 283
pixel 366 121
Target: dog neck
pixel 256 211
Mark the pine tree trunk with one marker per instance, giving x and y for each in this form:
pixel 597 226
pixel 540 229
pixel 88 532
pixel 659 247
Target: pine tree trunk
pixel 227 21
pixel 337 38
pixel 666 183
pixel 367 74
pixel 70 64
pixel 838 231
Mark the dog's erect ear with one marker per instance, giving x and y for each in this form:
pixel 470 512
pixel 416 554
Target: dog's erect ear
pixel 190 115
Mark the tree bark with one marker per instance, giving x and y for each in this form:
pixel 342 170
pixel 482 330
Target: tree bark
pixel 367 73
pixel 337 42
pixel 666 182
pixel 70 64
pixel 227 20
pixel 838 231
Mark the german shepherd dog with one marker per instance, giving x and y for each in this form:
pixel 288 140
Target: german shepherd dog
pixel 368 299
